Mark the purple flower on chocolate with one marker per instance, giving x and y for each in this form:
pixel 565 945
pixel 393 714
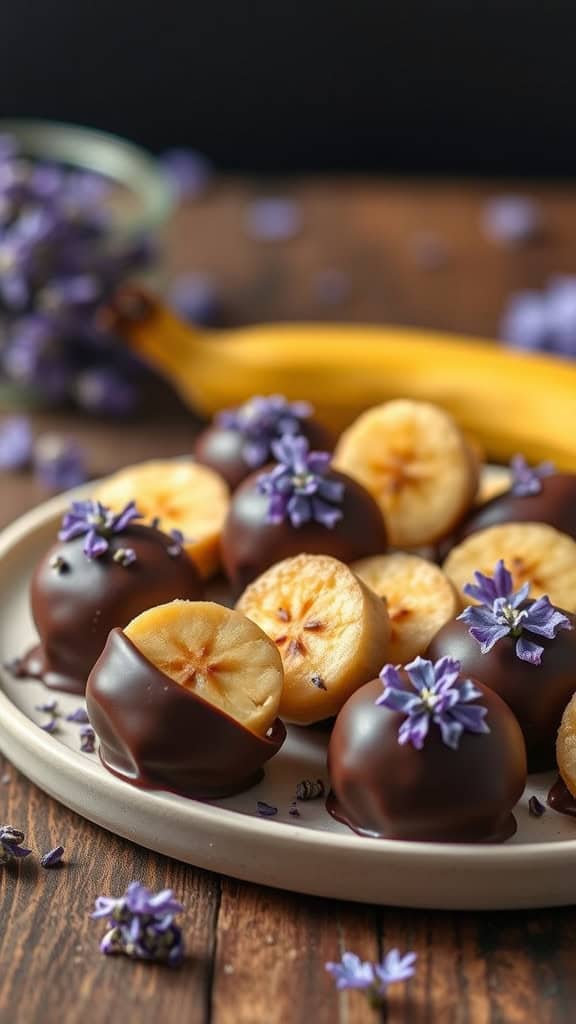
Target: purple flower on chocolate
pixel 97 523
pixel 372 978
pixel 187 171
pixel 528 479
pixel 298 487
pixel 124 557
pixel 11 848
pixel 273 218
pixel 87 739
pixel 141 924
pixel 177 545
pixel 261 421
pixel 511 219
pixel 53 858
pixel 501 613
pixel 441 696
pixel 15 443
pixel 59 463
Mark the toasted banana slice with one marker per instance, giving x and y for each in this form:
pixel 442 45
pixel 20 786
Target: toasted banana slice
pixel 415 461
pixel 419 597
pixel 183 496
pixel 331 630
pixel 531 551
pixel 226 659
pixel 566 746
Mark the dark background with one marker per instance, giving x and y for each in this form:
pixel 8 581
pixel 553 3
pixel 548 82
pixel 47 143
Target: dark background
pixel 487 86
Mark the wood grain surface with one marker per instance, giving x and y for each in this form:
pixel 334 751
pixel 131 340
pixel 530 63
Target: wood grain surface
pixel 254 955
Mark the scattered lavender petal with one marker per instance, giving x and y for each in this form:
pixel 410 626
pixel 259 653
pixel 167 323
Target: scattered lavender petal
pixel 187 171
pixel 536 807
pixel 49 707
pixel 266 810
pixel 50 726
pixel 15 443
pixel 87 740
pixel 294 810
pixel 53 858
pixel 195 297
pixel 80 716
pixel 141 925
pixel 511 219
pixel 273 219
pixel 59 463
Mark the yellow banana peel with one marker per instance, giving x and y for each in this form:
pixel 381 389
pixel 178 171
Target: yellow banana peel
pixel 510 401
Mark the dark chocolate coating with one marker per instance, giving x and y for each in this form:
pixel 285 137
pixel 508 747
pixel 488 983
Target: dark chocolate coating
pixel 560 798
pixel 220 448
pixel 555 504
pixel 75 608
pixel 537 694
pixel 157 734
pixel 250 544
pixel 386 790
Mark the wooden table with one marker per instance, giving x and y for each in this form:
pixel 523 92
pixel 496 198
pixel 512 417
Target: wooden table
pixel 256 956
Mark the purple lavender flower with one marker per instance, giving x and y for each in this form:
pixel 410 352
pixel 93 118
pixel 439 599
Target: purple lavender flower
pixel 526 479
pixel 87 740
pixel 195 297
pixel 543 321
pixel 266 810
pixel 15 443
pixel 59 463
pixel 440 696
pixel 11 848
pixel 104 390
pixel 97 523
pixel 176 547
pixel 372 978
pixel 298 487
pixel 49 708
pixel 262 420
pixel 511 219
pixel 187 171
pixel 273 219
pixel 80 716
pixel 124 557
pixel 501 613
pixel 53 858
pixel 141 924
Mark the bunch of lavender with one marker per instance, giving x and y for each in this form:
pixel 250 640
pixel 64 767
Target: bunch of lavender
pixel 60 260
pixel 141 924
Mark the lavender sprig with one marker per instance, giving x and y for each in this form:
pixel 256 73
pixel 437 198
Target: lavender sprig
pixel 11 848
pixel 527 479
pixel 373 979
pixel 262 420
pixel 298 487
pixel 441 697
pixel 141 924
pixel 501 612
pixel 97 523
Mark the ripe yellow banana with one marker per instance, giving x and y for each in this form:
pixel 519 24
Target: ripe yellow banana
pixel 510 401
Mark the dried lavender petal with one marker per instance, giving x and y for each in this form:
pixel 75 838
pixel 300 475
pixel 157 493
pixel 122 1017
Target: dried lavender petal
pixel 49 707
pixel 294 810
pixel 87 740
pixel 266 810
pixel 53 858
pixel 536 807
pixel 80 715
pixel 310 789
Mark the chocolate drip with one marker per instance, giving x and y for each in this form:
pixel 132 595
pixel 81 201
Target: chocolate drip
pixel 154 733
pixel 560 798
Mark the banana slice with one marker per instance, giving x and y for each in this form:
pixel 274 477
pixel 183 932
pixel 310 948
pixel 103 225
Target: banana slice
pixel 566 746
pixel 183 496
pixel 419 597
pixel 417 464
pixel 531 551
pixel 331 630
pixel 218 653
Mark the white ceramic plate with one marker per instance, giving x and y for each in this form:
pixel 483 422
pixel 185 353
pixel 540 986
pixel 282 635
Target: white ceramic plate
pixel 309 854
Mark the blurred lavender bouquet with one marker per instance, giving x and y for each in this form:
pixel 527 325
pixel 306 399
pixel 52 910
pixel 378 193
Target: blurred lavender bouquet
pixel 60 260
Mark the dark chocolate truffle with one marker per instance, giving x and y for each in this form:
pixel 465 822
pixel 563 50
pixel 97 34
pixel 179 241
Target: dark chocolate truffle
pixel 554 504
pixel 383 789
pixel 537 694
pixel 155 733
pixel 77 600
pixel 251 544
pixel 225 448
